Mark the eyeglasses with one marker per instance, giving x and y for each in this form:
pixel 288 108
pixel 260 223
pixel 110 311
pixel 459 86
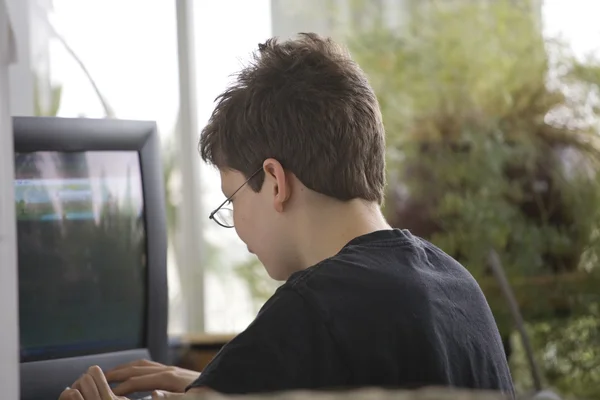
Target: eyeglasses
pixel 224 215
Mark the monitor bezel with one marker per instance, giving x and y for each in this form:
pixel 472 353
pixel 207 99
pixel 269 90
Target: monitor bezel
pixel 85 134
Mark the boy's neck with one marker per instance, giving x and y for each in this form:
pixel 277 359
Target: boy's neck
pixel 326 229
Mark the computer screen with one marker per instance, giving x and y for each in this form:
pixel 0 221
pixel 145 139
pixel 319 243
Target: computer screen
pixel 92 246
pixel 81 252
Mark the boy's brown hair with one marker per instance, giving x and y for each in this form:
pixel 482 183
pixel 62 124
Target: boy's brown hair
pixel 305 103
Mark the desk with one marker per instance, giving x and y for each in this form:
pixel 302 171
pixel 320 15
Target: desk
pixel 196 351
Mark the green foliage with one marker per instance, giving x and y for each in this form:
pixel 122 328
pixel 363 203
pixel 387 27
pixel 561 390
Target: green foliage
pixel 55 98
pixel 170 172
pixel 570 367
pixel 492 136
pixel 466 94
pixel 261 286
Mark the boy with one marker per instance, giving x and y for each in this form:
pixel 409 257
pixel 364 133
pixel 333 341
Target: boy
pixel 300 146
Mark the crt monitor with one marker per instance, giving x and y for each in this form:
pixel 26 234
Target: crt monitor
pixel 91 241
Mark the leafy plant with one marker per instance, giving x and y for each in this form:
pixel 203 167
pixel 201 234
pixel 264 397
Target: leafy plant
pixel 492 134
pixel 487 145
pixel 54 99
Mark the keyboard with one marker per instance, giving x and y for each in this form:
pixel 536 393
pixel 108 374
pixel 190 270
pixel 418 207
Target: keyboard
pixel 134 396
pixel 140 396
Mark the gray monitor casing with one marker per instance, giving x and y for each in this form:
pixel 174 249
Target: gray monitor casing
pixel 46 379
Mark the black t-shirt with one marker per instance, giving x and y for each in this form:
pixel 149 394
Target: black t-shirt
pixel 389 310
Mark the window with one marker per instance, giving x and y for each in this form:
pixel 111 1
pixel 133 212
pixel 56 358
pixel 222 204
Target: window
pixel 235 284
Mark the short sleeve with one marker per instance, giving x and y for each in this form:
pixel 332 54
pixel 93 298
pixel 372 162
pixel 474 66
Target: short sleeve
pixel 287 347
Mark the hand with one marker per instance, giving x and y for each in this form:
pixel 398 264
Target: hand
pixel 160 395
pixel 146 376
pixel 91 386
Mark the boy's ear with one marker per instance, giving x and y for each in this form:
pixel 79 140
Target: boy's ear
pixel 277 183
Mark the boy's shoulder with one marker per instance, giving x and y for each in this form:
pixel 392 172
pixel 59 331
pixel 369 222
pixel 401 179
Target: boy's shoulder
pixel 387 276
pixel 389 292
pixel 379 261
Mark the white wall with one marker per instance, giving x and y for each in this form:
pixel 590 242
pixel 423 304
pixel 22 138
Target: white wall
pixel 20 75
pixel 9 375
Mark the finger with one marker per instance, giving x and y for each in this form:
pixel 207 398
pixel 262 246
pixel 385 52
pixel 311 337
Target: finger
pixel 77 384
pixel 121 375
pixel 136 363
pixel 159 394
pixel 162 395
pixel 100 382
pixel 70 394
pixel 145 383
pixel 89 389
